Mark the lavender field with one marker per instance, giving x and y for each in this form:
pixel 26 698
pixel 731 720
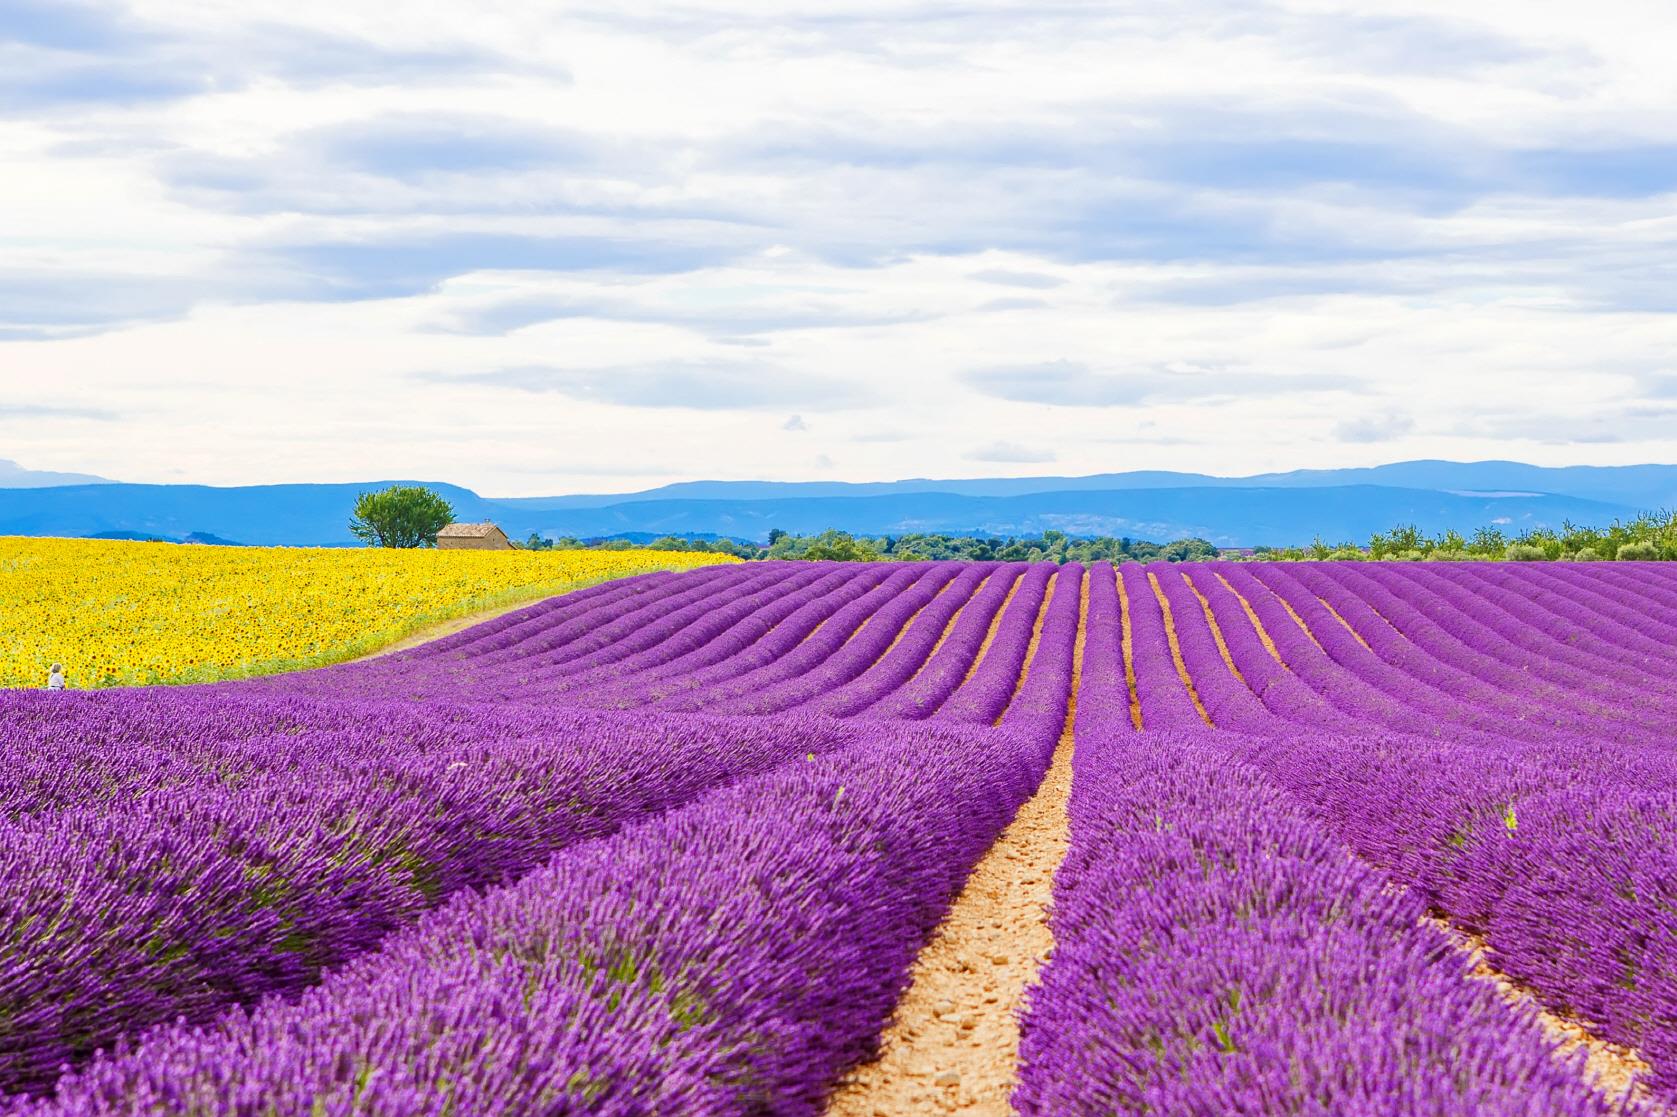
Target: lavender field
pixel 674 843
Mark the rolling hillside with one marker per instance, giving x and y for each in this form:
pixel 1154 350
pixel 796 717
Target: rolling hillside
pixel 1276 509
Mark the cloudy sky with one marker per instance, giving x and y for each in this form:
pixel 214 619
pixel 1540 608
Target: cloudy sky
pixel 530 252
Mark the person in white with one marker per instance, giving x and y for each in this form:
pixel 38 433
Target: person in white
pixel 55 681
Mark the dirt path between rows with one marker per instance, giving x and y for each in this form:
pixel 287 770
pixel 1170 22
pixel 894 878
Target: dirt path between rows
pixel 448 628
pixel 1617 1071
pixel 954 1043
pixel 955 1039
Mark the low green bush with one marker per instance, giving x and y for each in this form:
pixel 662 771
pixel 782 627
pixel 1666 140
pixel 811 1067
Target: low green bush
pixel 1645 550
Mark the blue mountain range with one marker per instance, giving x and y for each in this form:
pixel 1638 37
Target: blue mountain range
pixel 1277 508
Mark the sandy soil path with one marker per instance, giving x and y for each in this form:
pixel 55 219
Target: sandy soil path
pixel 1615 1070
pixel 955 1040
pixel 954 1043
pixel 448 628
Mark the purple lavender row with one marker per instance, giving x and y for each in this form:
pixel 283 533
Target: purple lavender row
pixel 849 654
pixel 949 666
pixel 1455 639
pixel 1603 620
pixel 636 639
pixel 1433 615
pixel 908 653
pixel 653 639
pixel 1281 691
pixel 1479 623
pixel 797 653
pixel 679 644
pixel 1321 666
pixel 557 644
pixel 982 697
pixel 1632 583
pixel 1306 663
pixel 1524 708
pixel 1522 635
pixel 762 639
pixel 1103 692
pixel 84 749
pixel 1038 710
pixel 540 632
pixel 253 888
pixel 1555 635
pixel 624 632
pixel 595 601
pixel 692 637
pixel 1652 622
pixel 1165 702
pixel 1228 701
pixel 736 956
pixel 1356 660
pixel 1216 952
pixel 1643 582
pixel 1560 853
pixel 72 750
pixel 1566 653
pixel 485 662
pixel 1462 641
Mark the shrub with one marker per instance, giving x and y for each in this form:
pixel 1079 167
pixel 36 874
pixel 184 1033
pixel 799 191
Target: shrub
pixel 1524 552
pixel 1644 551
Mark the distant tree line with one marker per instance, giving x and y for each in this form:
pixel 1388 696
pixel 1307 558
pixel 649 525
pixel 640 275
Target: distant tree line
pixel 411 516
pixel 1646 538
pixel 842 546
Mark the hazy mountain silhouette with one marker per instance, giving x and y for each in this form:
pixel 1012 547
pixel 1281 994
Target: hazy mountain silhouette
pixel 14 476
pixel 1281 508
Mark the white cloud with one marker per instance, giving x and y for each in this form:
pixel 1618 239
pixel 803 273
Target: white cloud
pixel 241 233
pixel 1008 452
pixel 1380 427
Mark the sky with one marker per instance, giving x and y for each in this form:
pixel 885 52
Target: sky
pixel 535 248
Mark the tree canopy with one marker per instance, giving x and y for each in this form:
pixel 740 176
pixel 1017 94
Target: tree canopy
pixel 400 516
pixel 1647 537
pixel 1050 546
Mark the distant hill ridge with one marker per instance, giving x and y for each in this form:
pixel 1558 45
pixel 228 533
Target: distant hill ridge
pixel 14 476
pixel 1275 508
pixel 1636 485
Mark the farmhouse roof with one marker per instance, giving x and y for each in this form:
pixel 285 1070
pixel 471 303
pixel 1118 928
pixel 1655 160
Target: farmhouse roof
pixel 469 531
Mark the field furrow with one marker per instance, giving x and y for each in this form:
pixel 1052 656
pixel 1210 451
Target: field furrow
pixel 775 837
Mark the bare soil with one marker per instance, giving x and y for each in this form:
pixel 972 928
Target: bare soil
pixel 1614 1069
pixel 1216 629
pixel 1176 647
pixel 448 628
pixel 954 1043
pixel 1258 625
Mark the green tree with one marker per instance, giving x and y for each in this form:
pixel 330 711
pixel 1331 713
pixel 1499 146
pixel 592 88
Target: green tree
pixel 400 516
pixel 841 546
pixel 1488 541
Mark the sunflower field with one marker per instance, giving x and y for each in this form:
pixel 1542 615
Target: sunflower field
pixel 118 613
